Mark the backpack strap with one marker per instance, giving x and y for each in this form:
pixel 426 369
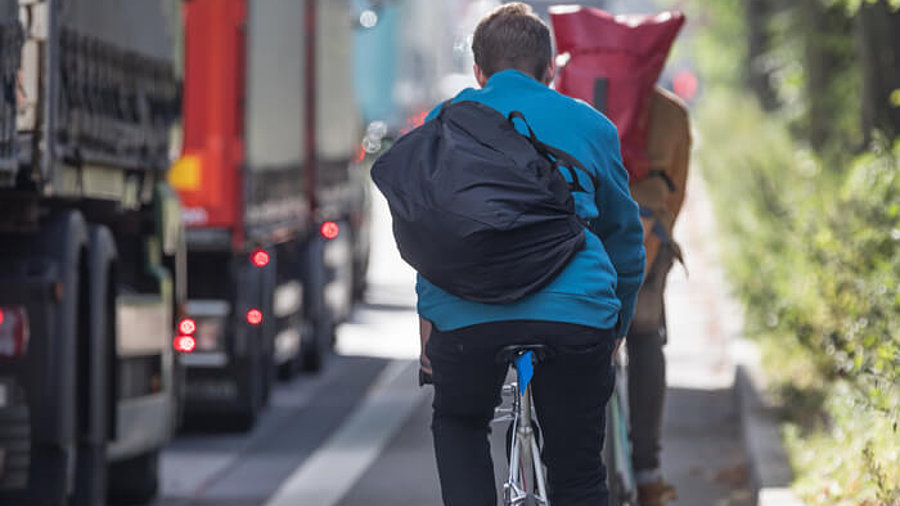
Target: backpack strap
pixel 660 231
pixel 556 155
pixel 665 177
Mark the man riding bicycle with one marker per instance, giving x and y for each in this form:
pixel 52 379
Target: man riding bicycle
pixel 582 313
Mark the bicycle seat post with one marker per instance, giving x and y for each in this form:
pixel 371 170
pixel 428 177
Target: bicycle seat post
pixel 525 463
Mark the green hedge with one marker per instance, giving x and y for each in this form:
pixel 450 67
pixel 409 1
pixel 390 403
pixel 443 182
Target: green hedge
pixel 814 252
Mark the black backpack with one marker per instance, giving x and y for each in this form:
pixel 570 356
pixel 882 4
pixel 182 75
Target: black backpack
pixel 478 209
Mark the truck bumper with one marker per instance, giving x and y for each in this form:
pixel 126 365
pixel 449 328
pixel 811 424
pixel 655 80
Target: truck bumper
pixel 214 388
pixel 15 448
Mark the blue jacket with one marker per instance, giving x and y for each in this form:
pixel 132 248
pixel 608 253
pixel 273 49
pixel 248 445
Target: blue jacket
pixel 599 286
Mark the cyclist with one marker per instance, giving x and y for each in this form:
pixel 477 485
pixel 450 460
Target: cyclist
pixel 668 149
pixel 582 313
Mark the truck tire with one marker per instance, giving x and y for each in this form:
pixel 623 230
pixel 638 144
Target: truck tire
pixel 269 285
pixel 95 366
pixel 320 342
pixel 136 480
pixel 63 237
pixel 50 463
pixel 313 347
pixel 311 355
pixel 245 418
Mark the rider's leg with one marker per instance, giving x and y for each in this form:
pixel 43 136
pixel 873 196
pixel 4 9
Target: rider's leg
pixel 467 381
pixel 647 377
pixel 646 396
pixel 570 391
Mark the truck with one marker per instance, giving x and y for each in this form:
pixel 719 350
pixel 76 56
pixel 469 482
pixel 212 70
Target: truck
pixel 92 257
pixel 410 56
pixel 274 197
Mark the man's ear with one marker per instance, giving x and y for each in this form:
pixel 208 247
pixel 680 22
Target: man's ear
pixel 479 75
pixel 550 72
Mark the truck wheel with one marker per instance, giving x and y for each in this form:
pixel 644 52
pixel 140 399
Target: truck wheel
pixel 287 370
pixel 90 475
pixel 245 418
pixel 310 356
pixel 95 368
pixel 319 344
pixel 135 481
pixel 50 463
pixel 360 283
pixel 63 239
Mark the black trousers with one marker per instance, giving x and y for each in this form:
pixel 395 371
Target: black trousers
pixel 570 391
pixel 647 365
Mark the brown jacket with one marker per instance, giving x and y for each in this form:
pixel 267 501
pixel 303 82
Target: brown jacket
pixel 669 150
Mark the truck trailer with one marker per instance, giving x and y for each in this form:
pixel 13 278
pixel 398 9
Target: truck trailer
pixel 274 197
pixel 92 257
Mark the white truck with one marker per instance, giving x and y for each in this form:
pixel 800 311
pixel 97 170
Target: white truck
pixel 91 249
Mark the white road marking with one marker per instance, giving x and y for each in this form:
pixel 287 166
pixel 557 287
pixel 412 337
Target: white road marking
pixel 324 478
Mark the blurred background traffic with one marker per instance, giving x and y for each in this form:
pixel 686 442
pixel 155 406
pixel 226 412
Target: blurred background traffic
pixel 188 233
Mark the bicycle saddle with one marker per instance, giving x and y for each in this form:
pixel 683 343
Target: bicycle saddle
pixel 509 353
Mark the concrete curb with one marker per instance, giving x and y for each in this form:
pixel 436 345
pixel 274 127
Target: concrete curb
pixel 770 471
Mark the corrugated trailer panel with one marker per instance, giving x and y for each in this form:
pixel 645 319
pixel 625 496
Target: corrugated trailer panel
pixel 112 89
pixel 117 89
pixel 128 25
pixel 276 116
pixel 275 84
pixel 337 115
pixel 10 47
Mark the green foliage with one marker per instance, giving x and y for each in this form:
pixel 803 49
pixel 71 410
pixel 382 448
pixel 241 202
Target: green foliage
pixel 718 48
pixel 853 6
pixel 853 461
pixel 815 254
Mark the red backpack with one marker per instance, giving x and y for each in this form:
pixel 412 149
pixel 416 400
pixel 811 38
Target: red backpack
pixel 614 62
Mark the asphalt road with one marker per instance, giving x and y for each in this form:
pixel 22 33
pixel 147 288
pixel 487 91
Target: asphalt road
pixel 358 433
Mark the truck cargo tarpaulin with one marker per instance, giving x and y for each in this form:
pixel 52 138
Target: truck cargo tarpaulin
pixel 613 63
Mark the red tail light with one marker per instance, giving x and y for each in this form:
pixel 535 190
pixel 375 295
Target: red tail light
pixel 254 317
pixel 360 155
pixel 330 230
pixel 14 331
pixel 187 326
pixel 184 344
pixel 260 258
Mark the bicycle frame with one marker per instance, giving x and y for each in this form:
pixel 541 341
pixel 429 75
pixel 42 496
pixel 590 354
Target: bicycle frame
pixel 524 455
pixel 617 450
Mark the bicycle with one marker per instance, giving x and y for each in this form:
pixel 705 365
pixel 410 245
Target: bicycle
pixel 526 482
pixel 523 434
pixel 617 444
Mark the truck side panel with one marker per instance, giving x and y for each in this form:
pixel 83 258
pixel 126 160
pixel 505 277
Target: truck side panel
pixel 338 121
pixel 109 99
pixel 207 175
pixel 10 34
pixel 276 117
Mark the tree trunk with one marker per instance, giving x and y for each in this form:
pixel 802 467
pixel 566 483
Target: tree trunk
pixel 878 35
pixel 830 59
pixel 758 72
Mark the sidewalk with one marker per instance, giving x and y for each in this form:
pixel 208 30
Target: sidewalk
pixel 703 452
